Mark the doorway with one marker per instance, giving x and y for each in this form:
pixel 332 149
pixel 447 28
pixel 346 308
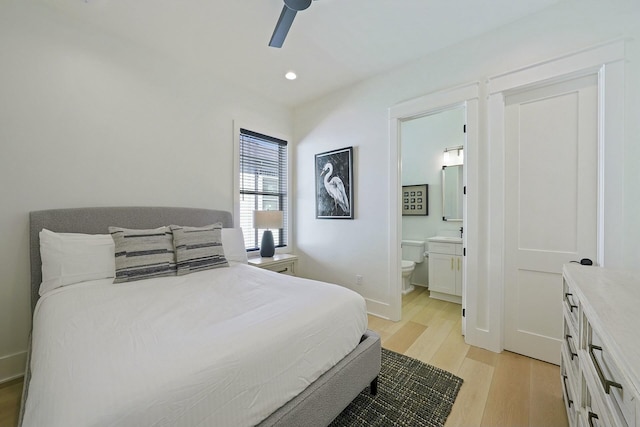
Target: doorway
pixel 465 98
pixel 432 146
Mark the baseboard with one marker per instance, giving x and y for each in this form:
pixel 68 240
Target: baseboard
pixel 445 297
pixel 12 366
pixel 378 308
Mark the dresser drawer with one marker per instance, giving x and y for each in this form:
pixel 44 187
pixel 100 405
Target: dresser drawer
pixel 618 393
pixel 593 412
pixel 570 350
pixel 568 393
pixel 282 268
pixel 280 263
pixel 571 305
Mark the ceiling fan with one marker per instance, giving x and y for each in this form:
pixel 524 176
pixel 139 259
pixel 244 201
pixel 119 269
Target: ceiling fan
pixel 291 7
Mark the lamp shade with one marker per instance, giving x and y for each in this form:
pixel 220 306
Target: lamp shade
pixel 267 219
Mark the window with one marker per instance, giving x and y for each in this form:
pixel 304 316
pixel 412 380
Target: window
pixel 263 184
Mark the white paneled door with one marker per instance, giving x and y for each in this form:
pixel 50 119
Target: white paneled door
pixel 551 169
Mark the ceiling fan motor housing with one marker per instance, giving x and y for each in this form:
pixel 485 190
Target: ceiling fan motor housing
pixel 297 5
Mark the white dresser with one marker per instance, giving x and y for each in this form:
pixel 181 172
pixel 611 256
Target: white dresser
pixel 600 363
pixel 445 268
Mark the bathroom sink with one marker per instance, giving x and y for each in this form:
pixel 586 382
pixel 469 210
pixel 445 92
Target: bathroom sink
pixel 445 239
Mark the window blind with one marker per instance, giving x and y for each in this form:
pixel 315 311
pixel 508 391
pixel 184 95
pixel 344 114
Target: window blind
pixel 263 184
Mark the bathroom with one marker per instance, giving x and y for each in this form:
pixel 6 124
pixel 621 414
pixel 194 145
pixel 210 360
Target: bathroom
pixel 428 143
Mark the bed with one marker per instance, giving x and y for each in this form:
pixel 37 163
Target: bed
pixel 305 380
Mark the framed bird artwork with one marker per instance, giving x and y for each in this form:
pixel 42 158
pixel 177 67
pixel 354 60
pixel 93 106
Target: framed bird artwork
pixel 334 184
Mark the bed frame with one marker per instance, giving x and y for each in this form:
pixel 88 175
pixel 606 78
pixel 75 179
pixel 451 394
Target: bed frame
pixel 317 405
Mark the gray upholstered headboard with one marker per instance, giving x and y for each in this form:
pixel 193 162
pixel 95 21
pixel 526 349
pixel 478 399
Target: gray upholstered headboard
pixel 97 221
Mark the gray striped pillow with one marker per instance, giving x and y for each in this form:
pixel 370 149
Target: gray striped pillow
pixel 198 248
pixel 143 254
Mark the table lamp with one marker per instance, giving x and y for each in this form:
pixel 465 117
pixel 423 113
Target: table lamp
pixel 265 220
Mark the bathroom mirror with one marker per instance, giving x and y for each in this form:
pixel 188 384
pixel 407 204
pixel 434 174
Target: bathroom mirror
pixel 452 193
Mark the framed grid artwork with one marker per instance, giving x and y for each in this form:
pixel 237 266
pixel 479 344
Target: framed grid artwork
pixel 415 199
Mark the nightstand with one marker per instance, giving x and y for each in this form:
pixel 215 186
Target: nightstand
pixel 280 263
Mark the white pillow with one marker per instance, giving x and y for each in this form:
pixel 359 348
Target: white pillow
pixel 233 245
pixel 69 258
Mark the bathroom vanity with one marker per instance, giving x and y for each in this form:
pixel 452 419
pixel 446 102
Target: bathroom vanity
pixel 445 268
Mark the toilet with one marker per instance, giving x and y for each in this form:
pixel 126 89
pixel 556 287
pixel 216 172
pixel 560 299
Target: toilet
pixel 412 253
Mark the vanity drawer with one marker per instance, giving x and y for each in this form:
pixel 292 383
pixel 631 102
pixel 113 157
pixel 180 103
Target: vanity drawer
pixel 445 248
pixel 616 391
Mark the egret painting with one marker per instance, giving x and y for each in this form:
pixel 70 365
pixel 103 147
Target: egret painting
pixel 334 184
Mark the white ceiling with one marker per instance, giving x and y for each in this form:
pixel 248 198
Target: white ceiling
pixel 332 44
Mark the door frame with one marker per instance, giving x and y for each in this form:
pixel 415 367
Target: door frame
pixel 606 61
pixel 465 96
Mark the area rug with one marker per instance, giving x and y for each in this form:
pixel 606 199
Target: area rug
pixel 410 393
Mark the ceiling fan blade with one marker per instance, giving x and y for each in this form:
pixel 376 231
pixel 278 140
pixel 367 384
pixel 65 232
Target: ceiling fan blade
pixel 282 27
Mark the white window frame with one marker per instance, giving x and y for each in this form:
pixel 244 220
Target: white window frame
pixel 237 125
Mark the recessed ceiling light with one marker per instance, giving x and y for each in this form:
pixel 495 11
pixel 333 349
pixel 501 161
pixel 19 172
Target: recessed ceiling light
pixel 291 75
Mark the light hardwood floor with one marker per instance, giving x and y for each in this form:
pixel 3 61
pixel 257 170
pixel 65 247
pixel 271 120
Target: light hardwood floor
pixel 504 389
pixel 10 395
pixel 499 389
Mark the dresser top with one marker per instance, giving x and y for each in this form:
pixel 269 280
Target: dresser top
pixel 611 301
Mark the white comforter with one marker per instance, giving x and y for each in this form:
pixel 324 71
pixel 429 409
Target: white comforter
pixel 223 347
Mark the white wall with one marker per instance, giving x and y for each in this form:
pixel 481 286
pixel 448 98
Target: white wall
pixel 87 119
pixel 338 250
pixel 423 141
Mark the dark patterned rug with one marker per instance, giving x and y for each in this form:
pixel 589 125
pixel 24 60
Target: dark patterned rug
pixel 410 393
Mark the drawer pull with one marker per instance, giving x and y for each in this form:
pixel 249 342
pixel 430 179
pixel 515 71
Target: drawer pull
pixel 286 269
pixel 566 391
pixel 606 384
pixel 566 338
pixel 592 416
pixel 566 297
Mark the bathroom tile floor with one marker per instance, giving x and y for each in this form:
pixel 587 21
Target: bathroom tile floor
pixel 504 389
